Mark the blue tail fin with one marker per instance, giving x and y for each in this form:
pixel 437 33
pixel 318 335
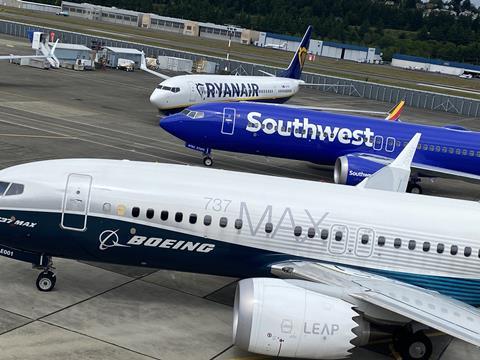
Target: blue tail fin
pixel 294 70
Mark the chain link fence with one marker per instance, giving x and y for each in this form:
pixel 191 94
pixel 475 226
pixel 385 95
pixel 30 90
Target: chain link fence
pixel 369 90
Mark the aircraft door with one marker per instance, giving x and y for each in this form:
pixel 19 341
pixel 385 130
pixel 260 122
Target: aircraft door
pixel 364 243
pixel 228 123
pixel 76 201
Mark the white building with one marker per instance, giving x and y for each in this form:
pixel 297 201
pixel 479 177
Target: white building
pixel 434 65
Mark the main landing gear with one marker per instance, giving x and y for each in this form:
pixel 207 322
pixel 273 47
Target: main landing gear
pixel 412 345
pixel 47 279
pixel 414 187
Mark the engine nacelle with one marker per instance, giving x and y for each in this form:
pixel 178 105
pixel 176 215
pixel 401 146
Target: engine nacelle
pixel 351 170
pixel 280 318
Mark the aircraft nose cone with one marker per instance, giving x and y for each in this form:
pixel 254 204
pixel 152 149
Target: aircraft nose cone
pixel 171 123
pixel 155 99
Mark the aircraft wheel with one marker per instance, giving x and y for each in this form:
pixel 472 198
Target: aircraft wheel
pixel 416 346
pixel 207 161
pixel 46 281
pixel 414 189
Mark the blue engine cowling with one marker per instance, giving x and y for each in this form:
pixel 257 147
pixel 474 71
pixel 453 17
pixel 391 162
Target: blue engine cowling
pixel 351 169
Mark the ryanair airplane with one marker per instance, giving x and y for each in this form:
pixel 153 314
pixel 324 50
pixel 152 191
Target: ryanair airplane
pixel 179 92
pixel 356 146
pixel 324 267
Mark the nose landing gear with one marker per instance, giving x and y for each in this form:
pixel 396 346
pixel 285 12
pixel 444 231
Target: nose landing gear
pixel 414 186
pixel 47 279
pixel 207 161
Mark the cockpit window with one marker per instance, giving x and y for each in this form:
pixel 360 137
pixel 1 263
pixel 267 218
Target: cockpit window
pixel 168 88
pixel 15 189
pixel 3 187
pixel 193 114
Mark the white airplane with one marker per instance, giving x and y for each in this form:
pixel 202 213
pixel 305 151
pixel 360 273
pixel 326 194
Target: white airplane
pixel 178 92
pixel 276 46
pixel 323 266
pixel 41 45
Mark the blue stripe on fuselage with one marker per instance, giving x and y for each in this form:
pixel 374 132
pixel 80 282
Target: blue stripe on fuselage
pixel 388 137
pixel 224 259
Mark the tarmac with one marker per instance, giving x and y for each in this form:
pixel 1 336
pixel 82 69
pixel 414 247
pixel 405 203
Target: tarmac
pixel 100 311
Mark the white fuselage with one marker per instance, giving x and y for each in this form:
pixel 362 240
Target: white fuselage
pixel 185 90
pixel 371 229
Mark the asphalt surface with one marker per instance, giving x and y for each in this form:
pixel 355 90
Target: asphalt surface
pixel 100 311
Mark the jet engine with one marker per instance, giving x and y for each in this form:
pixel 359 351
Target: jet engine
pixel 281 318
pixel 351 170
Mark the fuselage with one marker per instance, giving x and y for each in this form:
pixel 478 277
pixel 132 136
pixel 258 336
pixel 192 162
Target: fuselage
pixel 182 91
pixel 319 137
pixel 235 224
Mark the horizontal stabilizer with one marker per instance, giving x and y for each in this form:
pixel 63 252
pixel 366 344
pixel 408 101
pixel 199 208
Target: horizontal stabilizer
pixel 395 176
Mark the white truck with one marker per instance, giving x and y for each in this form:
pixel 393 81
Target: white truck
pixel 125 64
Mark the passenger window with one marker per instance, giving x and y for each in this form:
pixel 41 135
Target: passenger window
pixel 464 152
pixel 150 213
pixel 135 211
pixel 468 251
pixel 3 187
pixel 425 147
pixel 412 244
pixel 440 248
pixel 238 224
pixel 471 153
pixel 107 207
pixel 397 242
pixel 437 148
pixel 178 217
pixel 426 246
pixel 192 219
pixel 454 250
pixel 297 231
pixel 207 220
pixel 223 222
pixel 324 234
pixel 450 150
pixel 444 149
pixel 164 215
pixel 381 240
pixel 364 239
pixel 338 236
pixel 268 228
pixel 14 189
pixel 311 232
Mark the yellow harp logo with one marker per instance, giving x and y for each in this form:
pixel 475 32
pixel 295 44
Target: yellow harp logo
pixel 302 55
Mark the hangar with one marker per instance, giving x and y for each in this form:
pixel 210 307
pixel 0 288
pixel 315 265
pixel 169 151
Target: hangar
pixel 434 65
pixel 112 54
pixel 70 53
pixel 322 48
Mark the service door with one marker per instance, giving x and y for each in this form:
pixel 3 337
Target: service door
pixel 228 124
pixel 76 201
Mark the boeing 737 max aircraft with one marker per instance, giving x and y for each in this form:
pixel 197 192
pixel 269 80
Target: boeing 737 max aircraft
pixel 323 265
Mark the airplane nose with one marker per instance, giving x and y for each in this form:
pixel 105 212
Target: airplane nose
pixel 155 99
pixel 171 123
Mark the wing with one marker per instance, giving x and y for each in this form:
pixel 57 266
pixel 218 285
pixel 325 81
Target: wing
pixel 424 170
pixel 437 311
pixel 143 66
pixel 13 57
pixel 394 176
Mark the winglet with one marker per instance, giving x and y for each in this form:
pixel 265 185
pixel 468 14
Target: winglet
pixel 396 111
pixel 143 66
pixel 395 176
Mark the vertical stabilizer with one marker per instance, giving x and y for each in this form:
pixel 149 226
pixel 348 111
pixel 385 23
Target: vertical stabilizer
pixel 294 70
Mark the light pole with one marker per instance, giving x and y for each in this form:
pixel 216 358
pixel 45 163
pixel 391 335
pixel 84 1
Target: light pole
pixel 230 30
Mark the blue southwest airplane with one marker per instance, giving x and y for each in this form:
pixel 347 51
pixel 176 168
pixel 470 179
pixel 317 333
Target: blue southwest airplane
pixel 357 146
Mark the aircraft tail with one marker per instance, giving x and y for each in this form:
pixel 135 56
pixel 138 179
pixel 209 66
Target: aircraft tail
pixel 396 111
pixel 294 70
